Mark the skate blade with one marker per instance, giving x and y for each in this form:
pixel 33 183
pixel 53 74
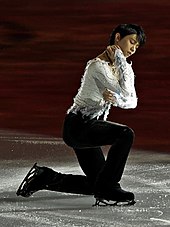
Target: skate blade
pixel 102 202
pixel 27 177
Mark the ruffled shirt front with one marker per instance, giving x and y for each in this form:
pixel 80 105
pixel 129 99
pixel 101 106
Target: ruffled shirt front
pixel 99 76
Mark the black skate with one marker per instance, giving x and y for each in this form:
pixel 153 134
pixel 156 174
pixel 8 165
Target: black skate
pixel 117 195
pixel 30 183
pixel 44 178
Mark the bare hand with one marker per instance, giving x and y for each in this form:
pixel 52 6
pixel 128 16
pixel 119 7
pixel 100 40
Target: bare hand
pixel 108 96
pixel 110 52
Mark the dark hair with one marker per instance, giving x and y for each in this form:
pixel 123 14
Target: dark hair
pixel 128 29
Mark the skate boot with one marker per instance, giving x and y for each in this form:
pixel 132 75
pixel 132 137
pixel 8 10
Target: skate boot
pixel 35 180
pixel 44 178
pixel 117 195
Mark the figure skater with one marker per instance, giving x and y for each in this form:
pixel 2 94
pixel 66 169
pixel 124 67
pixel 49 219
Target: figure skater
pixel 108 81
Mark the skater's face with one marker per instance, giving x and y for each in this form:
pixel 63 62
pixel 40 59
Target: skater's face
pixel 128 44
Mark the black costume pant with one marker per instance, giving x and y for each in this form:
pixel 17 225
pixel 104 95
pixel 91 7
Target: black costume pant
pixel 86 138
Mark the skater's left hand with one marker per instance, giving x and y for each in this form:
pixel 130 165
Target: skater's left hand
pixel 110 50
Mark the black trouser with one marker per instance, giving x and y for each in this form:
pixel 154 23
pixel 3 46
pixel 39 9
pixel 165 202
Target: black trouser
pixel 86 138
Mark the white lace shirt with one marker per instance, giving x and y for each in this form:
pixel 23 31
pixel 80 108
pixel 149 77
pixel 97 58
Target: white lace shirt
pixel 99 76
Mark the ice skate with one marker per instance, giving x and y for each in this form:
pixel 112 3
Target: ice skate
pixel 30 184
pixel 115 197
pixel 44 178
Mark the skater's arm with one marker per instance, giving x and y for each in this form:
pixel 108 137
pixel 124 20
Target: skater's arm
pixel 104 76
pixel 127 97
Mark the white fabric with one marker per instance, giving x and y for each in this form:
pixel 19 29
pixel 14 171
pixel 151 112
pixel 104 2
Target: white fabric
pixel 98 76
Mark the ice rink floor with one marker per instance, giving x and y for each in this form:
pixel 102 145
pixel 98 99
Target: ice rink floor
pixel 146 174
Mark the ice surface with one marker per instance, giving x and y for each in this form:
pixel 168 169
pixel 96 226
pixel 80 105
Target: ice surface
pixel 146 174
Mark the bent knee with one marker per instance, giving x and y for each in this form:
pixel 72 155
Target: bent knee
pixel 128 132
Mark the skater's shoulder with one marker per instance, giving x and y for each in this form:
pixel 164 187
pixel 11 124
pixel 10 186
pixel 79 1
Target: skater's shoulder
pixel 97 64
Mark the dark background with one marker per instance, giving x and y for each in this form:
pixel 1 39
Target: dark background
pixel 45 45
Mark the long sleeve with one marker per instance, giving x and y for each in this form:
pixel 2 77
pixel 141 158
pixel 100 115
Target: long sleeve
pixel 122 85
pixel 127 97
pixel 97 77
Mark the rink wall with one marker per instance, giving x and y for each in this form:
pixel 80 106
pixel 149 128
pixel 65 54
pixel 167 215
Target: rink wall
pixel 45 46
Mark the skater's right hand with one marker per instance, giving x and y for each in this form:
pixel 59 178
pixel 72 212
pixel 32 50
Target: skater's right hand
pixel 108 96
